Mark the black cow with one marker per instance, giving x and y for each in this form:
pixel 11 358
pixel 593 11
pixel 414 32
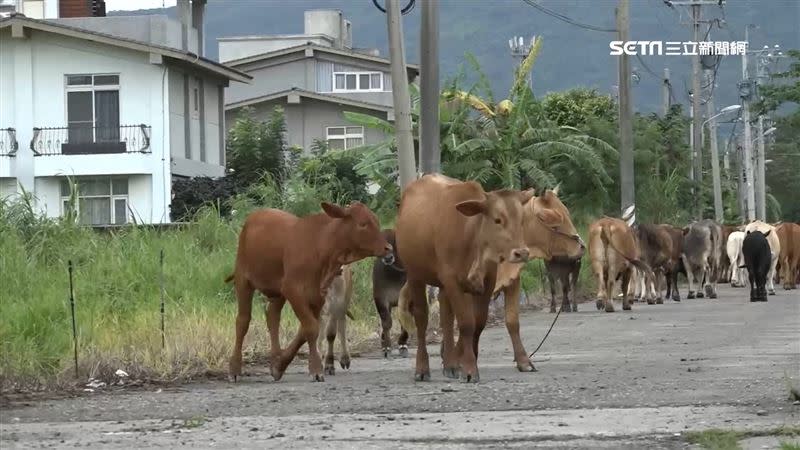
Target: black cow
pixel 757 260
pixel 388 276
pixel 566 271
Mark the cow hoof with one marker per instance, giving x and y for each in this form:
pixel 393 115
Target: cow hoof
pixel 659 301
pixel 713 295
pixel 469 378
pixel 451 372
pixel 700 295
pixel 386 351
pixel 599 304
pixel 610 307
pixel 691 295
pixel 626 307
pixel 330 370
pixel 276 374
pixel 526 366
pixel 566 308
pixel 710 292
pixel 317 378
pixel 772 292
pixel 575 308
pixel 403 351
pixel 423 376
pixel 676 298
pixel 344 361
pixel 233 378
pixel 553 309
pixel 650 301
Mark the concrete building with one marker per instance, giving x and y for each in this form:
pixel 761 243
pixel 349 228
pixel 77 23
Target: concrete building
pixel 121 104
pixel 315 77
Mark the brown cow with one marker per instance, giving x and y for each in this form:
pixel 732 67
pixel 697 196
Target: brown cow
pixel 453 235
pixel 286 257
pixel 613 250
pixel 335 310
pixel 676 261
pixel 789 236
pixel 565 271
pixel 655 245
pixel 548 233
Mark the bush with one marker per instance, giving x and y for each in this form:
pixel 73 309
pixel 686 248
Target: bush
pixel 191 194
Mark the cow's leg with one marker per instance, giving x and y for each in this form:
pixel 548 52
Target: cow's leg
pixel 244 299
pixel 600 273
pixel 552 280
pixel 481 310
pixel 402 343
pixel 673 280
pixel 786 273
pixel 640 286
pixel 626 278
pixel 274 308
pixel 450 355
pixel 382 305
pixel 307 311
pixel 711 280
pixel 463 308
pixel 689 277
pixel 419 308
pixel 344 352
pixel 771 276
pixel 330 334
pixel 574 284
pixel 755 290
pixel 565 304
pixel 649 288
pixel 511 294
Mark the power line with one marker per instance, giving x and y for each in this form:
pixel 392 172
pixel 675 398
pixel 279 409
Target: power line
pixel 646 68
pixel 568 20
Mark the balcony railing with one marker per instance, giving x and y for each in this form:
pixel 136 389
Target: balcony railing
pixel 87 140
pixel 8 142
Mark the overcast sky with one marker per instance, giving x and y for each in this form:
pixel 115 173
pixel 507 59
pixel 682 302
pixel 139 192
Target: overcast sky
pixel 116 5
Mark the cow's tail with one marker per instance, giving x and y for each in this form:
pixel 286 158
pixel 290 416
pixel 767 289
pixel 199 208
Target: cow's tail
pixel 404 310
pixel 229 278
pixel 613 239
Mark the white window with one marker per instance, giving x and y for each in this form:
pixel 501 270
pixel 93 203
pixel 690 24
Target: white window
pixel 344 138
pixel 357 81
pixel 101 201
pixel 92 108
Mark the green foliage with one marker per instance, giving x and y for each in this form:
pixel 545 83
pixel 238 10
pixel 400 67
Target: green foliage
pixel 716 439
pixel 576 107
pixel 256 147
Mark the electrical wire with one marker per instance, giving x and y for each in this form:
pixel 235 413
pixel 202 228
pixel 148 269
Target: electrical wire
pixel 646 68
pixel 406 9
pixel 567 19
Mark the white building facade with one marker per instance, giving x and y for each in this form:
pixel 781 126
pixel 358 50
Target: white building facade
pixel 120 117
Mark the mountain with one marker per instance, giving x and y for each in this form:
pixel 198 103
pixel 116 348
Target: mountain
pixel 571 55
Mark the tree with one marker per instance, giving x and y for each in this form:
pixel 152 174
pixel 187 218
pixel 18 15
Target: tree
pixel 256 148
pixel 577 106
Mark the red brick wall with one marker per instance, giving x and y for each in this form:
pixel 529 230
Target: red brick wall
pixel 80 8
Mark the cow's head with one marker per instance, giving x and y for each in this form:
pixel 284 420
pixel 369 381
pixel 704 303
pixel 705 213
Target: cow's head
pixel 391 259
pixel 359 229
pixel 500 231
pixel 549 231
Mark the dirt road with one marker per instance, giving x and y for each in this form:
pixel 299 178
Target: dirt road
pixel 638 379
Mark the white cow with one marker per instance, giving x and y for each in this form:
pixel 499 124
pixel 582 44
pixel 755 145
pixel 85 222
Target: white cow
pixel 734 249
pixel 774 246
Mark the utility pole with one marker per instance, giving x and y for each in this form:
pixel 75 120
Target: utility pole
pixel 400 95
pixel 712 140
pixel 520 50
pixel 665 88
pixel 697 118
pixel 429 151
pixel 746 92
pixel 628 189
pixel 761 193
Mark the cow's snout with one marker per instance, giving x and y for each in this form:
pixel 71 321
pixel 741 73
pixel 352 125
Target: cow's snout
pixel 388 250
pixel 388 259
pixel 519 255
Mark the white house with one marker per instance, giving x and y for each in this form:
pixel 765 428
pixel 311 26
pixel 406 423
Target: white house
pixel 122 104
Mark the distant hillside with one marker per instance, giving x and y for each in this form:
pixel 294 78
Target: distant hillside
pixel 571 56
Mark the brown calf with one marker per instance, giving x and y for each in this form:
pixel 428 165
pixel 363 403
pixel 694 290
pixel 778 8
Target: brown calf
pixel 789 236
pixel 676 261
pixel 335 310
pixel 613 249
pixel 565 271
pixel 655 245
pixel 286 257
pixel 453 235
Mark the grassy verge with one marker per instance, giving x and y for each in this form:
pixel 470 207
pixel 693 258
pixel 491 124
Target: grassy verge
pixel 717 439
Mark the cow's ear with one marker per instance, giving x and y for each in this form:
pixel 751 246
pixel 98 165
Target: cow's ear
pixel 526 196
pixel 555 189
pixel 335 211
pixel 747 232
pixel 549 217
pixel 767 233
pixel 471 207
pixel 685 230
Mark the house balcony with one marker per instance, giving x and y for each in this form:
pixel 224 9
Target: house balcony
pixel 8 150
pixel 85 150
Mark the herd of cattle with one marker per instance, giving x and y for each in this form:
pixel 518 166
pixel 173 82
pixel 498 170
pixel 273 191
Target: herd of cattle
pixel 471 245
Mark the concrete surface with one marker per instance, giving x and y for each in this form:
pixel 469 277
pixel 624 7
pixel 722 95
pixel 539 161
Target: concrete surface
pixel 632 379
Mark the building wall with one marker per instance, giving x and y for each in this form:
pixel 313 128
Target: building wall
pixel 237 48
pixel 155 29
pixel 140 199
pixel 309 119
pixel 37 98
pixel 8 187
pixel 269 80
pixel 324 82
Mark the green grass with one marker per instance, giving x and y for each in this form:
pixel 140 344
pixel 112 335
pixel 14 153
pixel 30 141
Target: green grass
pixel 717 439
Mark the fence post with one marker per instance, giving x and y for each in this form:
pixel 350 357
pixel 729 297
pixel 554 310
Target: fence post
pixel 74 327
pixel 161 276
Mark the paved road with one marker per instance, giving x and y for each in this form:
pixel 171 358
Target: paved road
pixel 624 380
